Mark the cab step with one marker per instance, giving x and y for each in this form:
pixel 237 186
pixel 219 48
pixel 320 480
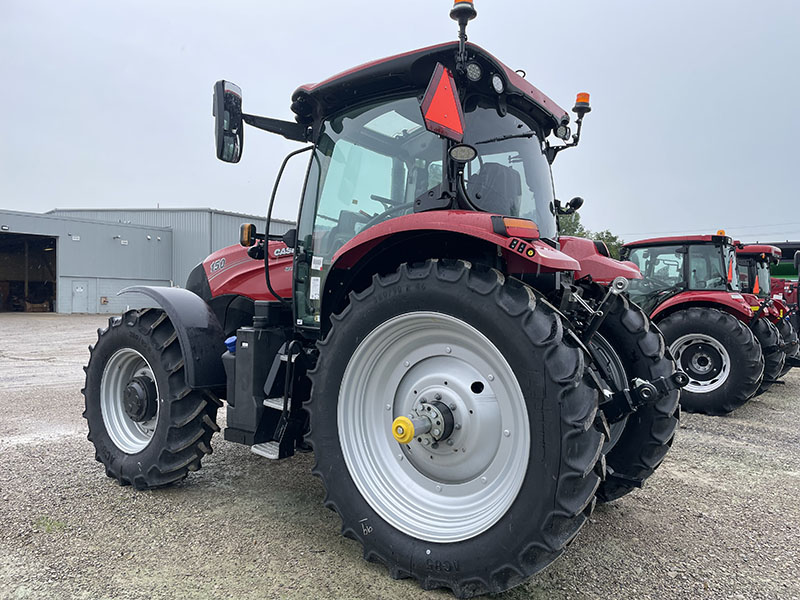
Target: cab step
pixel 275 403
pixel 270 450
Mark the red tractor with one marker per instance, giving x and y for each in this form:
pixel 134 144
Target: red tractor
pixel 421 330
pixel 720 337
pixel 785 280
pixel 754 275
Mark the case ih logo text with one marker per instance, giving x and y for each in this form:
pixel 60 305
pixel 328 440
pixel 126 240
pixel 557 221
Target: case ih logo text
pixel 283 251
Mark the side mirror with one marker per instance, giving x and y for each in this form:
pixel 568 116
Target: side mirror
pixel 290 238
pixel 797 261
pixel 247 235
pixel 575 204
pixel 228 124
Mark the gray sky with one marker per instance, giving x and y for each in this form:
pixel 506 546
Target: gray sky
pixel 694 127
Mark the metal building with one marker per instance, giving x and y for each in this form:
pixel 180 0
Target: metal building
pixel 78 260
pixel 65 264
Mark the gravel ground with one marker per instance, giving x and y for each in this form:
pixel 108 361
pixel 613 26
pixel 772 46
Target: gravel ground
pixel 720 519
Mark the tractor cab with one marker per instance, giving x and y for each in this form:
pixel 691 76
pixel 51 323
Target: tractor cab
pixel 755 261
pixel 673 265
pixel 403 153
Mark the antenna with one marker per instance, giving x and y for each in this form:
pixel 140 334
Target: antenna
pixel 463 12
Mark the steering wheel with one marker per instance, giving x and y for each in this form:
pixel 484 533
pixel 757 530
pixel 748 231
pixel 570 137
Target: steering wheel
pixel 655 283
pixel 387 214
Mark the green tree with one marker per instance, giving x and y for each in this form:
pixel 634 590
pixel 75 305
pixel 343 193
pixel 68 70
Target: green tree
pixel 614 242
pixel 571 225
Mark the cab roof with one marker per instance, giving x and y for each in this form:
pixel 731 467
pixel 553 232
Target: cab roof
pixel 755 249
pixel 411 72
pixel 681 239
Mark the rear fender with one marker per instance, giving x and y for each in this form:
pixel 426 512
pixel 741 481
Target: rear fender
pixel 199 333
pixel 525 255
pixel 602 268
pixel 732 303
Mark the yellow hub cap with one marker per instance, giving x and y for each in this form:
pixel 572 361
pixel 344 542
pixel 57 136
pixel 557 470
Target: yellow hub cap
pixel 403 430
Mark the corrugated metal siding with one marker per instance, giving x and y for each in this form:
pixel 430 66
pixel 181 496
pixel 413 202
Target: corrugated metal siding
pixel 108 288
pixel 197 232
pixel 106 256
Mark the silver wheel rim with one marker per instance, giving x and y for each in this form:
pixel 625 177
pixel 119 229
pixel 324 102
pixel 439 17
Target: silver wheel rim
pixel 698 364
pixel 128 435
pixel 467 486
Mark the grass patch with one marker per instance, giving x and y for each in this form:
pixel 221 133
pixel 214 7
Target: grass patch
pixel 48 524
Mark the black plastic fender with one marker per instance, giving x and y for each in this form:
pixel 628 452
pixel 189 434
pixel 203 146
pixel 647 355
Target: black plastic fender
pixel 199 333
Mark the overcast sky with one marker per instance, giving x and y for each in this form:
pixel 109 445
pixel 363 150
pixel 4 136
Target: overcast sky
pixel 694 128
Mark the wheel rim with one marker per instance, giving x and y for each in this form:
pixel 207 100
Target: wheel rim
pixel 609 356
pixel 704 359
pixel 128 435
pixel 450 492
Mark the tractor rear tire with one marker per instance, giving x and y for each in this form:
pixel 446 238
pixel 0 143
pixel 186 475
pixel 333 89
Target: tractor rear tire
pixel 789 337
pixel 648 433
pixel 720 355
pixel 149 428
pixel 774 359
pixel 503 501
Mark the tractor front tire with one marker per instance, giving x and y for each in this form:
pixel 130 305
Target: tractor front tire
pixel 509 489
pixel 149 429
pixel 720 355
pixel 647 434
pixel 774 358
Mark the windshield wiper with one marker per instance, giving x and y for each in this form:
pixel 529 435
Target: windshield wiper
pixel 527 134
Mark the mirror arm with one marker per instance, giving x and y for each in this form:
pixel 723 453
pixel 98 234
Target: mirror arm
pixel 289 130
pixel 552 151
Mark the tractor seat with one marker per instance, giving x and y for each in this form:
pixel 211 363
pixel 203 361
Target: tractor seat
pixel 496 188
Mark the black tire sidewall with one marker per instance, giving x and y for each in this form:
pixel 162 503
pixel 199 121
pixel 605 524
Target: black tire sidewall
pixel 537 499
pixel 729 332
pixel 121 464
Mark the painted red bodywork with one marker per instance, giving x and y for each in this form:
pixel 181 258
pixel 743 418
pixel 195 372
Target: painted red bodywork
pixel 756 250
pixel 731 302
pixel 603 269
pixel 785 290
pixel 678 239
pixel 244 276
pixel 517 252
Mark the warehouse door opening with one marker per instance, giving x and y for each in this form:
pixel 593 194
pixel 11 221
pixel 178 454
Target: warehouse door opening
pixel 27 273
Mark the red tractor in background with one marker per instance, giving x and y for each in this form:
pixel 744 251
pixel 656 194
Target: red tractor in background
pixel 785 281
pixel 754 276
pixel 455 369
pixel 720 337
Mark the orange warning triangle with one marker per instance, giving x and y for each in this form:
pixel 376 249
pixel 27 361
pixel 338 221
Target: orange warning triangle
pixel 756 287
pixel 730 270
pixel 441 107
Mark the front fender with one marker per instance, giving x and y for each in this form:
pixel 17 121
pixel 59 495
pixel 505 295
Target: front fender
pixel 732 303
pixel 528 255
pixel 199 333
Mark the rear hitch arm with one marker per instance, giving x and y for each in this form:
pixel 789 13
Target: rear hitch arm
pixel 641 393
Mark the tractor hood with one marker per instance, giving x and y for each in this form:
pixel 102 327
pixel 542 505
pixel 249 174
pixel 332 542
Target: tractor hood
pixel 411 72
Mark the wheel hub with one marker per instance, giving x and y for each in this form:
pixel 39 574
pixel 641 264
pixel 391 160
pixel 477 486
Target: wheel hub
pixel 140 399
pixel 704 359
pixel 433 373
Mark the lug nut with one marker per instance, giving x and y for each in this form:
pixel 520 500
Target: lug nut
pixel 457 426
pixel 437 396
